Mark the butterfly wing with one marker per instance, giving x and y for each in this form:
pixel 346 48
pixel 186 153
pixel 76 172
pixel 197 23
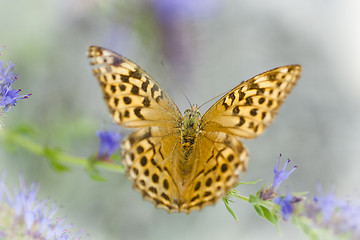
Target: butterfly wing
pixel 151 153
pixel 220 159
pixel 132 96
pixel 243 112
pixel 252 105
pixel 151 156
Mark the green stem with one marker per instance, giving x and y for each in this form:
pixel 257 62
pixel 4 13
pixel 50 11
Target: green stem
pixel 240 197
pixel 18 139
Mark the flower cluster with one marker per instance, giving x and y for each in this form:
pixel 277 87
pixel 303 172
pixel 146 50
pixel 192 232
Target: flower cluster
pixel 288 202
pixel 8 96
pixel 323 212
pixel 23 216
pixel 337 215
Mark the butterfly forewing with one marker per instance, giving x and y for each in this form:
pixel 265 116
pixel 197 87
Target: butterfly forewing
pixel 133 97
pixel 252 105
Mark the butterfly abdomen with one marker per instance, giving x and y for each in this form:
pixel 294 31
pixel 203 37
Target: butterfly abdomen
pixel 189 131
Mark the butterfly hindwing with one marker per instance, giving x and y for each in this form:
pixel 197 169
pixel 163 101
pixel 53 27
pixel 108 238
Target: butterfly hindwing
pixel 150 156
pixel 220 158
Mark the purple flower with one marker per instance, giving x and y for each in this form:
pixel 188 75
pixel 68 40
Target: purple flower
pixel 327 204
pixel 28 218
pixel 175 20
pixel 286 205
pixel 337 215
pixel 281 175
pixel 348 219
pixel 174 10
pixel 109 143
pixel 8 96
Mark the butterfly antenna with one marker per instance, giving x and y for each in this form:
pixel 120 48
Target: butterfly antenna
pixel 211 99
pixel 186 97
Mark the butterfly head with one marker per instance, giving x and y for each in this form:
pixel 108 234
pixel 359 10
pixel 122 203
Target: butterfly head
pixel 192 118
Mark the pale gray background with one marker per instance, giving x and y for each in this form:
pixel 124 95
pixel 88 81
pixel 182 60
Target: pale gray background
pixel 221 44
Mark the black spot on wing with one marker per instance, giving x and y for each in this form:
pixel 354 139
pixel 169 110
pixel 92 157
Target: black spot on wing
pixel 146 102
pixel 236 110
pixel 232 97
pixel 138 114
pixel 124 78
pixel 116 101
pixel 224 167
pixel 225 104
pixel 253 112
pixel 127 100
pixel 135 90
pixel 241 122
pixel 166 184
pixel 161 96
pixel 122 87
pixel 249 101
pixel 117 61
pixel 260 91
pixel 145 84
pixel 143 161
pixel 241 95
pixel 154 89
pixel 135 74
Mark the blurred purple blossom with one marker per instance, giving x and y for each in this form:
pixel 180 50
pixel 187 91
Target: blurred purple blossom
pixel 327 204
pixel 348 219
pixel 286 205
pixel 175 10
pixel 176 22
pixel 328 211
pixel 23 208
pixel 109 142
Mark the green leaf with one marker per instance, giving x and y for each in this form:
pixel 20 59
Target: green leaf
pixel 259 210
pixel 53 156
pixel 92 171
pixel 248 183
pixel 307 226
pixel 226 202
pixel 253 199
pixel 266 213
pixel 270 216
pixel 24 129
pixel 234 194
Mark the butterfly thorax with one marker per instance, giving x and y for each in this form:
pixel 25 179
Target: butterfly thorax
pixel 190 126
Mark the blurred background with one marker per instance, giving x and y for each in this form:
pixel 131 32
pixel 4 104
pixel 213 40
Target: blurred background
pixel 197 48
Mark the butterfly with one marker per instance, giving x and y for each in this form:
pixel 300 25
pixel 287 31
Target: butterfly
pixel 184 162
